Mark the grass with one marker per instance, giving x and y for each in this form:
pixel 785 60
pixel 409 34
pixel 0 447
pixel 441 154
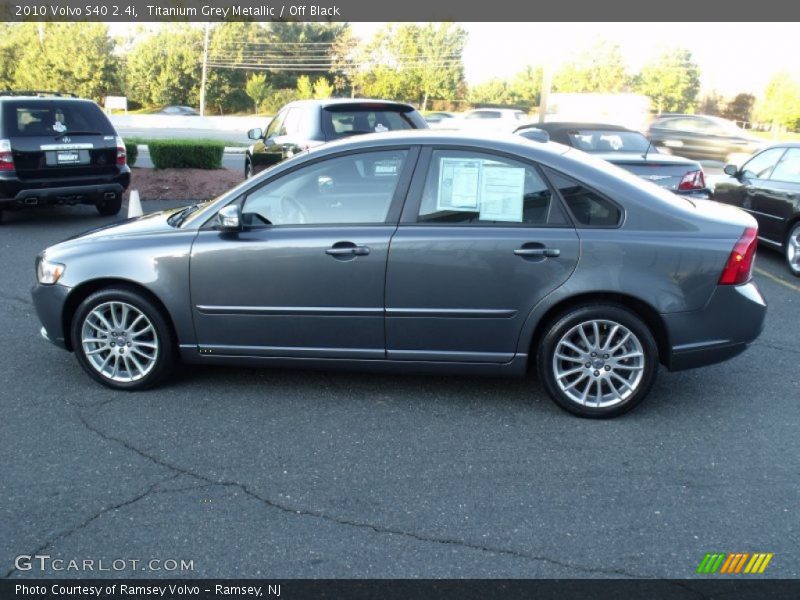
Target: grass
pixel 782 137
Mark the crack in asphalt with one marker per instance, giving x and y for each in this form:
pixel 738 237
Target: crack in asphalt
pixel 777 347
pixel 357 524
pixel 85 523
pixel 16 299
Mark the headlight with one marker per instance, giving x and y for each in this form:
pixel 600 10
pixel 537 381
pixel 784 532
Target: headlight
pixel 48 272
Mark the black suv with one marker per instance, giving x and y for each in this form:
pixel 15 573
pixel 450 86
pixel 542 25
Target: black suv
pixel 307 123
pixel 56 149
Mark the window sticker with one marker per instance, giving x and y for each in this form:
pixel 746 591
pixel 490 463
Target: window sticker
pixel 501 193
pixel 459 181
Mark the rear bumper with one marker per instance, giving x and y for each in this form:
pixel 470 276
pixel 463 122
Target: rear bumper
pixel 731 320
pixel 16 193
pixel 49 302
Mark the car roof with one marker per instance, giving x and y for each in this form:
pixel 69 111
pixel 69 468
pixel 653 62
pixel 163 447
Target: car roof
pixel 560 127
pixel 349 101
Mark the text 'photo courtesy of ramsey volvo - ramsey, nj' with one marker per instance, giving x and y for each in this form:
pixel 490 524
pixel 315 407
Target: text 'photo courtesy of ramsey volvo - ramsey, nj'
pixel 418 251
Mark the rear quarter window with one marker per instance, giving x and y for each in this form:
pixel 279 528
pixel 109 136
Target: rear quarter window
pixel 53 118
pixel 588 208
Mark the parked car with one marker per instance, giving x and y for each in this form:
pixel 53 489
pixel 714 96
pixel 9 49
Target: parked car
pixel 491 120
pixel 305 124
pixel 417 251
pixel 441 119
pixel 627 149
pixel 702 137
pixel 183 111
pixel 768 187
pixel 56 149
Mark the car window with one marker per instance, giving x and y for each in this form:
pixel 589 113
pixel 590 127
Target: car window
pixel 291 124
pixel 478 189
pixel 339 123
pixel 53 117
pixel 760 166
pixel 788 169
pixel 275 125
pixel 354 189
pixel 587 206
pixel 590 140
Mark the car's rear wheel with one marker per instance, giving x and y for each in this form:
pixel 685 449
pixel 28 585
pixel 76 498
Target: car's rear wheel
pixel 792 249
pixel 598 361
pixel 122 339
pixel 110 206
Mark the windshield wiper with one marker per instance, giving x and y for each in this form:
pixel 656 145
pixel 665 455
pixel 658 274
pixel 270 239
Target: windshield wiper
pixel 178 218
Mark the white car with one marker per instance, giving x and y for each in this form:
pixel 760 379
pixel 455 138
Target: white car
pixel 496 120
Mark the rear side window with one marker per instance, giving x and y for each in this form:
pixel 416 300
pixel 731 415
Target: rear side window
pixel 588 208
pixel 54 118
pixel 339 123
pixel 471 188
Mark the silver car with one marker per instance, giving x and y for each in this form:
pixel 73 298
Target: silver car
pixel 417 251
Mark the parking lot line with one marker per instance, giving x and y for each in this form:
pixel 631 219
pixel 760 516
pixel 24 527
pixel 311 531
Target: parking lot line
pixel 791 286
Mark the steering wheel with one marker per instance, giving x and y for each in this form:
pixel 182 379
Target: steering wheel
pixel 292 213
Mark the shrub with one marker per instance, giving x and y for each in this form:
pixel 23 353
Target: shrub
pixel 186 154
pixel 132 152
pixel 278 99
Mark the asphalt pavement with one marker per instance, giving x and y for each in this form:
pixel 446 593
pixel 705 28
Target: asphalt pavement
pixel 272 473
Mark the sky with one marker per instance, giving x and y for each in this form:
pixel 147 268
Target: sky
pixel 733 57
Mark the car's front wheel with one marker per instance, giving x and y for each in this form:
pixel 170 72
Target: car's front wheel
pixel 248 169
pixel 792 249
pixel 598 361
pixel 122 339
pixel 109 207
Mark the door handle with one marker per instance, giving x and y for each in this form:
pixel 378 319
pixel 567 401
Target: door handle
pixel 548 252
pixel 349 250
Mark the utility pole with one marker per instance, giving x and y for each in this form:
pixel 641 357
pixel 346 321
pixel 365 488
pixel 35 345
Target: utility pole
pixel 205 68
pixel 547 82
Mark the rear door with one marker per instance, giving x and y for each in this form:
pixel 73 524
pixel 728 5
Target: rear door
pixel 481 241
pixel 780 197
pixel 54 139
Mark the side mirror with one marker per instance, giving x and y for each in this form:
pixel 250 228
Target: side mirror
pixel 255 134
pixel 229 219
pixel 731 170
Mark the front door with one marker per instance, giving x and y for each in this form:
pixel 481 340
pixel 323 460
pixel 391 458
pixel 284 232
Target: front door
pixel 306 276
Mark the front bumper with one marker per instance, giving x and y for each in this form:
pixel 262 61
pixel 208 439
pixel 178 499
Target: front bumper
pixel 49 301
pixel 731 320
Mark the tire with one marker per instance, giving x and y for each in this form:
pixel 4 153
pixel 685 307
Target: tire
pixel 248 169
pixel 149 351
pixel 607 374
pixel 109 208
pixel 791 249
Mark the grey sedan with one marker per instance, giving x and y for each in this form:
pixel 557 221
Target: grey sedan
pixel 417 251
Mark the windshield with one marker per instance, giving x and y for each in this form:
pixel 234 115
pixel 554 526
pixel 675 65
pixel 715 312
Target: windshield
pixel 608 141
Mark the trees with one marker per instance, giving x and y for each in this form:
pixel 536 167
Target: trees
pixel 672 80
pixel 258 89
pixel 322 88
pixel 780 105
pixel 305 89
pixel 601 68
pixel 740 108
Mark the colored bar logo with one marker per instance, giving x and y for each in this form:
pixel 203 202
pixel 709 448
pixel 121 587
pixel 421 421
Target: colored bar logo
pixel 733 563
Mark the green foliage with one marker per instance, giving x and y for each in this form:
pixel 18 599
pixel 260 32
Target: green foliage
pixel 186 154
pixel 600 69
pixel 322 88
pixel 278 99
pixel 132 152
pixel 69 57
pixel 164 69
pixel 305 90
pixel 225 87
pixel 781 103
pixel 412 62
pixel 671 80
pixel 258 89
pixel 740 108
pixel 522 90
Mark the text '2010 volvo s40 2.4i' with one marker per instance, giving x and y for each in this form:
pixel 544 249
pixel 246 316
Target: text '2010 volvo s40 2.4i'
pixel 417 251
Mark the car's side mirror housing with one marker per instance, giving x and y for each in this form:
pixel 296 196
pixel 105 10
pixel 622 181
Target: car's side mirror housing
pixel 255 134
pixel 731 170
pixel 229 219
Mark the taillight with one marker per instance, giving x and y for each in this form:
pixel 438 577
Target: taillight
pixel 6 158
pixel 122 157
pixel 740 263
pixel 693 180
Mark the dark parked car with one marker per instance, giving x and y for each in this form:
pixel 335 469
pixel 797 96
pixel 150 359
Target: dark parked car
pixel 768 187
pixel 417 251
pixel 627 149
pixel 701 137
pixel 305 124
pixel 59 150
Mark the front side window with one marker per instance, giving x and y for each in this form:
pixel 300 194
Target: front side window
pixel 354 189
pixel 588 208
pixel 788 169
pixel 483 189
pixel 275 125
pixel 761 165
